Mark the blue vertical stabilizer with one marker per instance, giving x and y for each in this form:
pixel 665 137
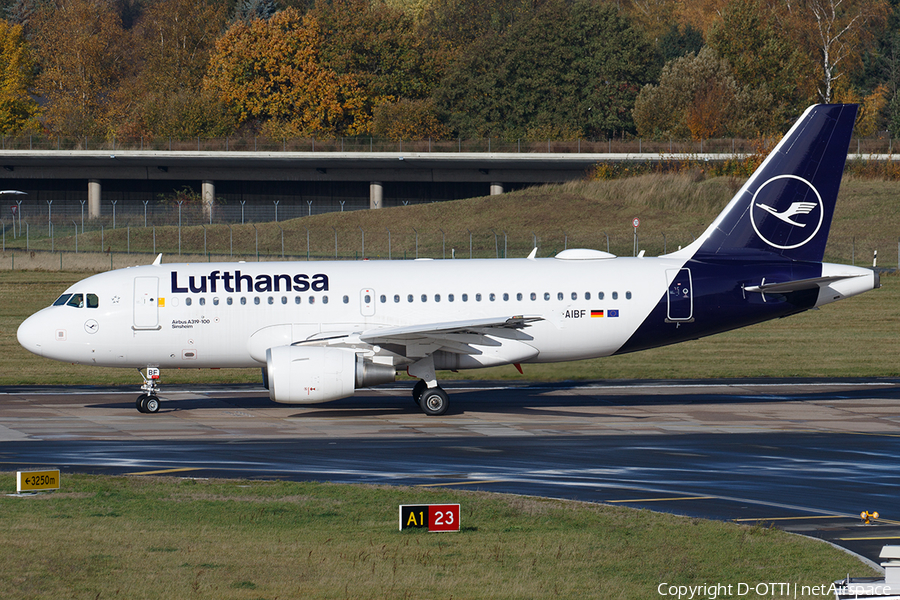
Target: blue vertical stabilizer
pixel 787 204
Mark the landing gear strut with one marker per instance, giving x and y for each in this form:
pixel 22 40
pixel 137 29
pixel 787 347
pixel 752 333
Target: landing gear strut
pixel 148 402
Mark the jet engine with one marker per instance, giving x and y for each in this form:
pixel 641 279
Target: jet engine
pixel 309 374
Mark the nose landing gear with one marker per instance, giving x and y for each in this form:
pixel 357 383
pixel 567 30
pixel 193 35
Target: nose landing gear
pixel 148 402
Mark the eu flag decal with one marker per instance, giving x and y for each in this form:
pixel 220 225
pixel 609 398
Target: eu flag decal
pixel 612 313
pixel 596 313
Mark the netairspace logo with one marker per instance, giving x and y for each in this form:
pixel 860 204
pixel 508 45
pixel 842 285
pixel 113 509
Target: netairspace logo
pixel 712 591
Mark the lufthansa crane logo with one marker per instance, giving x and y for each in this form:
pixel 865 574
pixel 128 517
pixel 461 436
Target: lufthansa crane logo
pixel 783 208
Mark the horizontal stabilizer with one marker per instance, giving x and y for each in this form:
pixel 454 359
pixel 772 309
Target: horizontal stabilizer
pixel 798 285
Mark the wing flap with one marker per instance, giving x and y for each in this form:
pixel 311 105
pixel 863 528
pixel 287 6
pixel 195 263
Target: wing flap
pixel 443 330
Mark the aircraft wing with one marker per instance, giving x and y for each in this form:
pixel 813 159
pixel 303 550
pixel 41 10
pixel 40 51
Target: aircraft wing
pixel 443 330
pixel 796 286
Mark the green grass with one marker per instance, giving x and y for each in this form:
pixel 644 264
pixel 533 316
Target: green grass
pixel 147 537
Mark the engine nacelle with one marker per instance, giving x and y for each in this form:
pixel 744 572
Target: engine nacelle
pixel 309 374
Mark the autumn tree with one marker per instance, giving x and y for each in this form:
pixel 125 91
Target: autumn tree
pixel 408 120
pixel 81 49
pixel 380 48
pixel 835 33
pixel 697 97
pixel 174 40
pixel 567 70
pixel 270 72
pixel 17 109
pixel 378 45
pixel 765 58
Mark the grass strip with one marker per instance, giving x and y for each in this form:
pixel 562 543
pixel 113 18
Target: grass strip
pixel 162 537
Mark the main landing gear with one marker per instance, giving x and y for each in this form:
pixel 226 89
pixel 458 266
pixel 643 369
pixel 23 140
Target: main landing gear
pixel 148 402
pixel 433 401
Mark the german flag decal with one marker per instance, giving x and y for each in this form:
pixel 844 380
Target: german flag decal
pixel 596 313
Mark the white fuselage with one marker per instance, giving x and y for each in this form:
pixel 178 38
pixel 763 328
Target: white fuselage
pixel 231 324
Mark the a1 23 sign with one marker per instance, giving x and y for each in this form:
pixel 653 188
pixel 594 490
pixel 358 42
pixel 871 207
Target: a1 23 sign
pixel 436 517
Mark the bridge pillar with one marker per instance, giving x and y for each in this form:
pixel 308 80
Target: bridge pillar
pixel 376 194
pixel 496 189
pixel 93 198
pixel 208 196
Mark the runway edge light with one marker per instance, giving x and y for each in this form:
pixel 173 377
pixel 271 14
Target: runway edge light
pixel 434 517
pixel 37 481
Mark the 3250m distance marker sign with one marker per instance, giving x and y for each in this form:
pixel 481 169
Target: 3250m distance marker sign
pixel 34 481
pixel 436 517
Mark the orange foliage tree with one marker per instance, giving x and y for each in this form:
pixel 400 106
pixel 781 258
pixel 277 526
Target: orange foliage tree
pixel 17 109
pixel 269 72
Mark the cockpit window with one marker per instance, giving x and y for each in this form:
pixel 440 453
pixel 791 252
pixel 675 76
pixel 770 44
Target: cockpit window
pixel 93 301
pixel 77 300
pixel 61 301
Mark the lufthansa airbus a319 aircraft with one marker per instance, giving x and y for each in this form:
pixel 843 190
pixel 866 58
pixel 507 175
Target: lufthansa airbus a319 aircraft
pixel 321 330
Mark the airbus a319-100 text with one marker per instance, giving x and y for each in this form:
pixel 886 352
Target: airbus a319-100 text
pixel 321 330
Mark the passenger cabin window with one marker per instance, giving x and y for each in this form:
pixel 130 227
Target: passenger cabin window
pixel 615 295
pixel 587 295
pixel 628 295
pixel 599 295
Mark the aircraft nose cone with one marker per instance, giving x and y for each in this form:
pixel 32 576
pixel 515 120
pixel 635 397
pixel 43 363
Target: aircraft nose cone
pixel 30 335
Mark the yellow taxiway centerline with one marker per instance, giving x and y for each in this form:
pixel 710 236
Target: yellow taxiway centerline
pixel 664 499
pixel 161 471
